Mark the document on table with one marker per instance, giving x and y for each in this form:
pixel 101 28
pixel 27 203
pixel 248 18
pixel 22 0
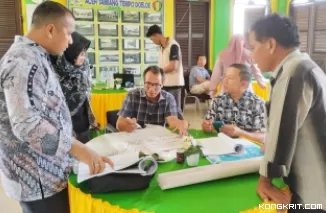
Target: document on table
pixel 122 164
pixel 220 145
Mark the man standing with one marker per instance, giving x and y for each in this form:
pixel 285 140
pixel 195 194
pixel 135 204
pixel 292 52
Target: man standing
pixel 35 125
pixel 170 61
pixel 295 147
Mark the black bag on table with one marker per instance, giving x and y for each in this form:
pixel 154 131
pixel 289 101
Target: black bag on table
pixel 119 182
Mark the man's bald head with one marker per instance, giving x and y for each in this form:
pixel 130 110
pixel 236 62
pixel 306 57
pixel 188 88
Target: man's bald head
pixel 49 12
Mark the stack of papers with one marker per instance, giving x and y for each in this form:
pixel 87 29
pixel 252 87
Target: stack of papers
pixel 220 145
pixel 128 163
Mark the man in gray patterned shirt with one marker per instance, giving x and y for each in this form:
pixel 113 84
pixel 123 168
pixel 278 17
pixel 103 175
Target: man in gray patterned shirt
pixel 35 126
pixel 296 139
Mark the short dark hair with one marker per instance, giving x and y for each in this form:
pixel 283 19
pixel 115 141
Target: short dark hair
pixel 281 28
pixel 156 70
pixel 49 11
pixel 201 55
pixel 245 71
pixel 155 29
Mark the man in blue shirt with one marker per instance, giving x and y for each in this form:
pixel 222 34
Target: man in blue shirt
pixel 199 77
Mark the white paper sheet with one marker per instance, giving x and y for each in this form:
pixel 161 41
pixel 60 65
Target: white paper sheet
pixel 152 139
pixel 121 164
pixel 208 173
pixel 220 145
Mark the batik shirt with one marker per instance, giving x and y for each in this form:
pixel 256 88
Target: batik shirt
pixel 35 124
pixel 248 113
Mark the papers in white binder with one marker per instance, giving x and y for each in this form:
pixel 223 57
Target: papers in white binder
pixel 121 165
pixel 220 145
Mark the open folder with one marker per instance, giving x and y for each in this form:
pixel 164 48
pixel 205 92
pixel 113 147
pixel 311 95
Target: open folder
pixel 129 163
pixel 220 145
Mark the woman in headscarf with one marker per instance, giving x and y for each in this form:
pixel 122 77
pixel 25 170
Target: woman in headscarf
pixel 234 53
pixel 74 74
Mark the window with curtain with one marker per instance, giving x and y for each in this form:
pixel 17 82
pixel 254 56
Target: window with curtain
pixel 310 16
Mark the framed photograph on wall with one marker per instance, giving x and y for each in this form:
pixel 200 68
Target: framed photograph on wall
pixel 108 44
pixel 83 14
pixel 131 69
pixel 108 30
pixel 130 16
pixel 149 45
pixel 85 29
pixel 131 58
pixel 105 72
pixel 151 57
pixel 91 57
pixel 153 18
pixel 109 57
pixel 131 44
pixel 131 30
pixel 107 15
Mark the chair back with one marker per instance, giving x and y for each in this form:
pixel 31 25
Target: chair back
pixel 112 117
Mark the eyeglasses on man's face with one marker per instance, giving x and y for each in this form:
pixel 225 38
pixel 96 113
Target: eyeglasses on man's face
pixel 149 85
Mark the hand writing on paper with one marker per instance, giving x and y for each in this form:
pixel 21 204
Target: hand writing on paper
pixel 207 126
pixel 230 130
pixel 268 192
pixel 131 124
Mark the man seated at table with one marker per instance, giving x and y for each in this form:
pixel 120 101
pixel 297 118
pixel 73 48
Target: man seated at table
pixel 150 105
pixel 199 77
pixel 241 110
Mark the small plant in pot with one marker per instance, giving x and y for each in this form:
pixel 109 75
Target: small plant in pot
pixel 118 82
pixel 192 153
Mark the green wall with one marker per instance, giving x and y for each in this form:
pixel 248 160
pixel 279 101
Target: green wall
pixel 221 26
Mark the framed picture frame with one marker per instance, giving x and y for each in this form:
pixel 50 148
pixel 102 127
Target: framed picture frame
pixel 131 69
pixel 130 16
pixel 108 44
pixel 131 44
pixel 151 57
pixel 83 14
pixel 109 57
pixel 131 30
pixel 131 58
pixel 85 29
pixel 153 18
pixel 108 29
pixel 105 71
pixel 76 2
pixel 107 15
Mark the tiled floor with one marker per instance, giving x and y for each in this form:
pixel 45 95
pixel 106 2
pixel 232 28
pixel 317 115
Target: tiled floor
pixel 194 117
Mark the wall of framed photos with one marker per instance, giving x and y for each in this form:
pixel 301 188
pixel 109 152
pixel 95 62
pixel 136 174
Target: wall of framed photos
pixel 118 34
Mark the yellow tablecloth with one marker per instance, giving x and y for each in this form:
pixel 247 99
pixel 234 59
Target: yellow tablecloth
pixel 104 102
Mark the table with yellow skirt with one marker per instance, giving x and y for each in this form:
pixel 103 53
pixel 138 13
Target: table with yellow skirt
pixel 229 195
pixel 104 100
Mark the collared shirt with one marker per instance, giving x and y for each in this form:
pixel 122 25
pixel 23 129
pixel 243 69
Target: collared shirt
pixel 248 113
pixel 295 147
pixel 136 105
pixel 195 72
pixel 35 124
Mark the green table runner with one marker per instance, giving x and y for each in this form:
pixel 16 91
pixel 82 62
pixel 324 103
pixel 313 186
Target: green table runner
pixel 229 195
pixel 107 91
